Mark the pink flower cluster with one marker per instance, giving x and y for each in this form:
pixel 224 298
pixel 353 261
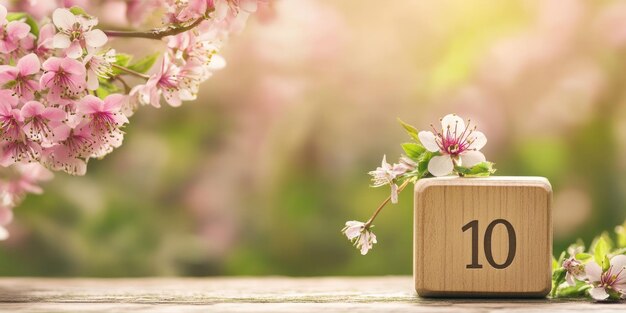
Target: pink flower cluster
pixel 55 114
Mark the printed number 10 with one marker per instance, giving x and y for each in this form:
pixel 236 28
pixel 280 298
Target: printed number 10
pixel 487 243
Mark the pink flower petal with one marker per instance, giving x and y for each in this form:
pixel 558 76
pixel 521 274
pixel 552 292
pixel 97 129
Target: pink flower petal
pixel 29 64
pixel 75 50
pixel 31 109
pixel 53 114
pixel 7 73
pixel 7 98
pixel 593 271
pixel 17 30
pixel 113 102
pixel 90 104
pixel 92 80
pixel 6 216
pixel 3 15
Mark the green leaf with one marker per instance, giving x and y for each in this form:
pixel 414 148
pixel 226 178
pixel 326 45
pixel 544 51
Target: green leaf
pixel 600 251
pixel 76 10
pixel 479 170
pixel 620 231
pixel 26 18
pixel 106 88
pixel 606 263
pixel 121 59
pixel 412 131
pixel 144 64
pixel 583 257
pixel 577 290
pixel 422 162
pixel 413 150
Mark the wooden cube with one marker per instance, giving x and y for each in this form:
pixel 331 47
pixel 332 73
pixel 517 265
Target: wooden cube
pixel 483 237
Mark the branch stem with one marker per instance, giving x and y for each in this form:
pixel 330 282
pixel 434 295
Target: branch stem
pixel 129 71
pixel 382 205
pixel 157 33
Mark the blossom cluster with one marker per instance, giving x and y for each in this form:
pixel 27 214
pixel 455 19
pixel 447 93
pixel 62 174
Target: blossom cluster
pixel 452 150
pixel 65 96
pixel 600 272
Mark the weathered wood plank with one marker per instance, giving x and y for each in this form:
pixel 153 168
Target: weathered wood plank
pixel 270 294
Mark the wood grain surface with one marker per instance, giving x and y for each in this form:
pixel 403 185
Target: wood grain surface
pixel 483 237
pixel 271 294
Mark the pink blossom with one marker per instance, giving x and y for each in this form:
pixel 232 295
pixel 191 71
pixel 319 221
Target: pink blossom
pixel 611 280
pixel 11 32
pixel 10 119
pixel 19 150
pixel 98 66
pixel 103 116
pixel 362 237
pixel 64 77
pixel 76 33
pixel 195 9
pixel 38 118
pixel 20 78
pixel 386 174
pixel 45 42
pixel 165 82
pixel 458 145
pixel 75 144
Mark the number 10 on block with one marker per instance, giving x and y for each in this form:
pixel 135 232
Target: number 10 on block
pixel 483 237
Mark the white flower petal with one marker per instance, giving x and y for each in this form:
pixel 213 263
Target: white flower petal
pixel 217 62
pixel 618 262
pixel 478 140
pixel 598 293
pixel 92 80
pixel 593 271
pixel 4 234
pixel 428 140
pixel 454 122
pixel 61 41
pixel 63 19
pixel 471 158
pixel 95 38
pixel 569 278
pixel 394 193
pixel 440 165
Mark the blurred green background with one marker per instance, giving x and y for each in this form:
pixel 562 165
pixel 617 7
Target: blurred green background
pixel 258 176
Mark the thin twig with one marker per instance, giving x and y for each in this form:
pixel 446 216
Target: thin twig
pixel 126 86
pixel 382 205
pixel 129 71
pixel 157 33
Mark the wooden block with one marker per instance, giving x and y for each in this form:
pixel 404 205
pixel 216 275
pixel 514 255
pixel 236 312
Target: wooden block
pixel 483 237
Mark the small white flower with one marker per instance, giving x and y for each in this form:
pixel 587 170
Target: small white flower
pixel 76 33
pixel 614 279
pixel 363 238
pixel 386 175
pixel 458 145
pixel 575 269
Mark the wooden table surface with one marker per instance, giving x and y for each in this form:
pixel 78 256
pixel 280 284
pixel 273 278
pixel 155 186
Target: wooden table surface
pixel 267 294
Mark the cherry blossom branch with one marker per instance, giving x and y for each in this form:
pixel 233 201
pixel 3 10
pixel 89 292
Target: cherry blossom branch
pixel 157 33
pixel 382 205
pixel 129 71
